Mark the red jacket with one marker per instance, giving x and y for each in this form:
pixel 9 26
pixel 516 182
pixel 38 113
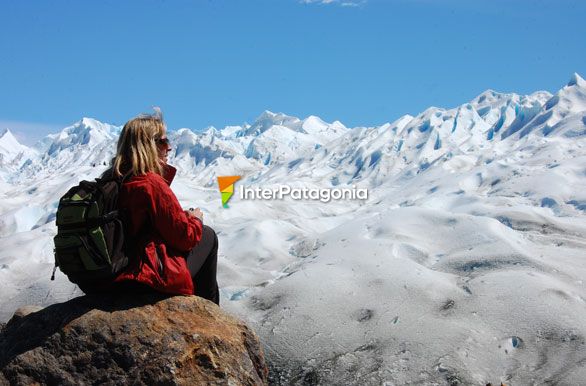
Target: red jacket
pixel 159 234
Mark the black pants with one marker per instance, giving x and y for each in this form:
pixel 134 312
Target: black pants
pixel 202 262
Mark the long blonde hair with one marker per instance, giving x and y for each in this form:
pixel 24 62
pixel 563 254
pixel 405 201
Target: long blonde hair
pixel 136 152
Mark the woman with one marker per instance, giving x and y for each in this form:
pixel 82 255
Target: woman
pixel 169 249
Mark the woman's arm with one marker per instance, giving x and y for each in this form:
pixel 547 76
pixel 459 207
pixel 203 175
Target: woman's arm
pixel 179 231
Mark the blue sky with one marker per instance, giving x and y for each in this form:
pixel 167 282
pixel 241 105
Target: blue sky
pixel 219 62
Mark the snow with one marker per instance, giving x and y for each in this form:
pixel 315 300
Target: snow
pixel 8 143
pixel 12 153
pixel 466 263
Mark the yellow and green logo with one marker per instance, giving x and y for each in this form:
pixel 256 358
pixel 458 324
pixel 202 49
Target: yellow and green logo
pixel 226 184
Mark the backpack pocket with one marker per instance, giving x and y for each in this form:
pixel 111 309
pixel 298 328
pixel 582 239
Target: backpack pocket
pixel 74 254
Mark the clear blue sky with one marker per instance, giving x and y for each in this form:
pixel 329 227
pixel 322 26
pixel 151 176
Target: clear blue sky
pixel 219 62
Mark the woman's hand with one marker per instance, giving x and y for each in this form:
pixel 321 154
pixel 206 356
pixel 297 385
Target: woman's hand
pixel 195 212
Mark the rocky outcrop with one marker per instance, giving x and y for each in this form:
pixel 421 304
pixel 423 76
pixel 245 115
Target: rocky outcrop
pixel 145 339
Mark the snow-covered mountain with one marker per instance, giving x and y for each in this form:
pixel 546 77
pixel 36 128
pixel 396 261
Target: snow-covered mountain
pixel 12 153
pixel 464 265
pixel 276 140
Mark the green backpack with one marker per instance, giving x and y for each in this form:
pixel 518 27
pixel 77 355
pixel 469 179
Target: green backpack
pixel 89 245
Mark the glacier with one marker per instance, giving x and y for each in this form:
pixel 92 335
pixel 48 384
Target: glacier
pixel 466 265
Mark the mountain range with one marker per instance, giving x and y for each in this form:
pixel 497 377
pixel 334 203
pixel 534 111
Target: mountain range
pixel 486 124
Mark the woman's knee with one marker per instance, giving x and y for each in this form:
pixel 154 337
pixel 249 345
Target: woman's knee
pixel 210 234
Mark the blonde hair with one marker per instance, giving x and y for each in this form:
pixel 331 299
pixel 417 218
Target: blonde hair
pixel 136 152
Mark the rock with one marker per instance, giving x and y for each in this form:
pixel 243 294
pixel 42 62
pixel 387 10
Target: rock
pixel 143 339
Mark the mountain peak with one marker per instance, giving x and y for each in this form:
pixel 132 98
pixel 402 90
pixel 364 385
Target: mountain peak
pixel 268 119
pixel 489 93
pixel 275 118
pixel 10 148
pixel 8 138
pixel 89 122
pixel 577 80
pixel 314 120
pixel 267 114
pixel 211 130
pixel 6 132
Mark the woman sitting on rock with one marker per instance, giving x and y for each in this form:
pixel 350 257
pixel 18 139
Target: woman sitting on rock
pixel 169 249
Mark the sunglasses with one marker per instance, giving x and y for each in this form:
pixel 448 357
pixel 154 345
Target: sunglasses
pixel 163 141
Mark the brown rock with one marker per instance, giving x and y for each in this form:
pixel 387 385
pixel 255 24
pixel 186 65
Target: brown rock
pixel 146 339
